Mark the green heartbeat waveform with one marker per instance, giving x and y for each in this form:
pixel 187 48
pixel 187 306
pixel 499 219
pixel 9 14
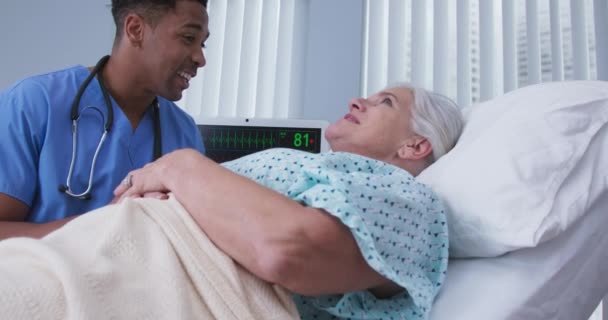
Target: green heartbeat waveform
pixel 228 139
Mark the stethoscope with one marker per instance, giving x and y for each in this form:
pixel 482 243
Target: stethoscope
pixel 75 116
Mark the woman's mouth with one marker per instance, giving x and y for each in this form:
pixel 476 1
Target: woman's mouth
pixel 351 118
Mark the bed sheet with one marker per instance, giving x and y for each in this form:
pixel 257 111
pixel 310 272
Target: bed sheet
pixel 564 278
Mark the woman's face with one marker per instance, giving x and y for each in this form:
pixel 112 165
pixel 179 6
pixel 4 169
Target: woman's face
pixel 375 127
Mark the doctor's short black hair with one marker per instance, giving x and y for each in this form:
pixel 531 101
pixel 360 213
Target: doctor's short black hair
pixel 150 10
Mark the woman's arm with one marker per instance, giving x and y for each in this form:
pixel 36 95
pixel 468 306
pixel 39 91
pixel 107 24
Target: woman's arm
pixel 303 249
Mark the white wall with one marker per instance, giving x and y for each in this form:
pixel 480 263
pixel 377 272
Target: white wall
pixel 39 35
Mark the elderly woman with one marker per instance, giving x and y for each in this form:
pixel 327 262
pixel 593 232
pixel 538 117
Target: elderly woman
pixel 350 233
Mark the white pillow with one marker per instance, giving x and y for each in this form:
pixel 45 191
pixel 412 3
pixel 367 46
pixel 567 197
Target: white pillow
pixel 528 165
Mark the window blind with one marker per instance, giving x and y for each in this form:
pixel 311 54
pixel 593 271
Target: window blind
pixel 254 60
pixel 473 50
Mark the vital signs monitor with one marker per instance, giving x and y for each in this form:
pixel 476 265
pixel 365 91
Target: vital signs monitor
pixel 230 138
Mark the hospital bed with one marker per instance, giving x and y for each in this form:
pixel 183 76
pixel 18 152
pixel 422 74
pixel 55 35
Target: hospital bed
pixel 484 50
pixel 560 278
pixel 539 41
pixel 564 278
pixel 527 191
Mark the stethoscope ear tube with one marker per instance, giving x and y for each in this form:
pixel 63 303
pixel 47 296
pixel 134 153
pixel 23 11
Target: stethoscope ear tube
pixel 96 70
pixel 158 146
pixel 104 91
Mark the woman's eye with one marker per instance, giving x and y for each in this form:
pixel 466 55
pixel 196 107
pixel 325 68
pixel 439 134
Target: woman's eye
pixel 388 102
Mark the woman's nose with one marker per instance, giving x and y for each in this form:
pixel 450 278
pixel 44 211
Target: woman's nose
pixel 358 104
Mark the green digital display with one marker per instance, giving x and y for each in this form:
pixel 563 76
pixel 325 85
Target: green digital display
pixel 224 143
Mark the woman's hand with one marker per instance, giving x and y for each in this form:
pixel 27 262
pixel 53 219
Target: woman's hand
pixel 154 179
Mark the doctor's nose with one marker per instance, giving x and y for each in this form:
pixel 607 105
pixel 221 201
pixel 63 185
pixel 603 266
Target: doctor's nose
pixel 199 58
pixel 359 104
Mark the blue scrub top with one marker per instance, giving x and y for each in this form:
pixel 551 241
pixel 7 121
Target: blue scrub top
pixel 36 143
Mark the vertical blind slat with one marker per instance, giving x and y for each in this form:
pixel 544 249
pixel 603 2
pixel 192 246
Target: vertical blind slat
pixel 231 62
pixel 557 55
pixel 441 40
pixel 284 56
pixel 365 50
pixel 580 49
pixel 377 46
pixel 268 57
pixel 600 9
pixel 509 51
pixel 533 41
pixel 486 50
pixel 252 24
pixel 208 91
pixel 397 44
pixel 463 43
pixel 293 107
pixel 420 40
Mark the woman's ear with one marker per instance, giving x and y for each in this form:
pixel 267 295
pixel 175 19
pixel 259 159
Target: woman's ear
pixel 134 27
pixel 415 148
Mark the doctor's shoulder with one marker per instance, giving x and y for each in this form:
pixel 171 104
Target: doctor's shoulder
pixel 38 90
pixel 28 104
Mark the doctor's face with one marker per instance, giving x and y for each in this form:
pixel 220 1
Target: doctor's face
pixel 174 48
pixel 376 126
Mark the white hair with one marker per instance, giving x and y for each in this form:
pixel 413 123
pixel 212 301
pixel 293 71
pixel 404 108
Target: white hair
pixel 435 117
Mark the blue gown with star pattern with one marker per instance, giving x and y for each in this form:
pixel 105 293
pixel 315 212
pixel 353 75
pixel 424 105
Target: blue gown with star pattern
pixel 398 223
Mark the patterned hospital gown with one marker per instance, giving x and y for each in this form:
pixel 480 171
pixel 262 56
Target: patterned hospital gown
pixel 398 223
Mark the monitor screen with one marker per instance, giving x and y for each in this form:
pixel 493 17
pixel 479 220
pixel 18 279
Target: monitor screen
pixel 230 138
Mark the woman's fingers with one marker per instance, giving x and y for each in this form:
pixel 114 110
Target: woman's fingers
pixel 156 195
pixel 151 178
pixel 126 183
pixel 140 182
pixel 122 191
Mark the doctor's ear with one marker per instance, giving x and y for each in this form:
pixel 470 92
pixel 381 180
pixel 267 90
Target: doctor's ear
pixel 134 29
pixel 415 148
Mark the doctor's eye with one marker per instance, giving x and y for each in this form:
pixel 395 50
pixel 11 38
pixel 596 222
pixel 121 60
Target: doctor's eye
pixel 189 39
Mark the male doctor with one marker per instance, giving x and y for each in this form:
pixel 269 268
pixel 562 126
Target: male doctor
pixel 68 137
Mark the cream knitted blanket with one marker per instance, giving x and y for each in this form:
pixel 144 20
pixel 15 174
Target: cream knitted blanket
pixel 140 259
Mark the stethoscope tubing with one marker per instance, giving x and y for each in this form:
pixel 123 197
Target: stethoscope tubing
pixel 75 117
pixel 91 174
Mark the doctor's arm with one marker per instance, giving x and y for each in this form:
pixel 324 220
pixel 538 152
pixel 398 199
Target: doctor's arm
pixel 303 249
pixel 22 125
pixel 12 220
